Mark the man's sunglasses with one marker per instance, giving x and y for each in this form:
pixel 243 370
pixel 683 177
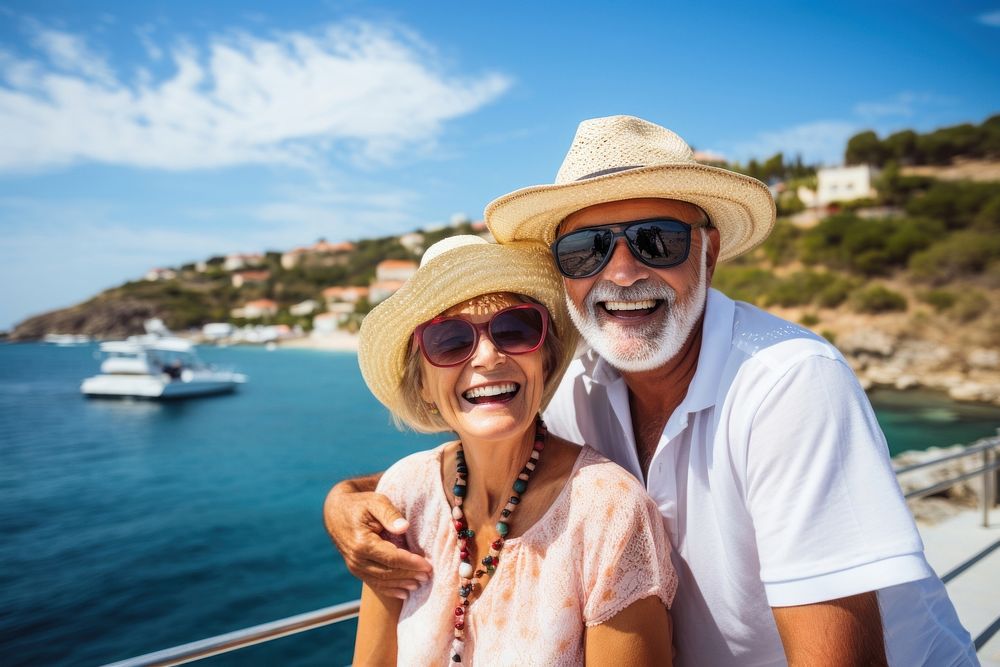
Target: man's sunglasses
pixel 659 243
pixel 450 341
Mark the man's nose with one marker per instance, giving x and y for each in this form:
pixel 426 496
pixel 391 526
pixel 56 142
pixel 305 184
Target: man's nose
pixel 623 268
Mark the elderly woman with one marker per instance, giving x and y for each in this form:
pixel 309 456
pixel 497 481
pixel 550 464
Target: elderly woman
pixel 544 553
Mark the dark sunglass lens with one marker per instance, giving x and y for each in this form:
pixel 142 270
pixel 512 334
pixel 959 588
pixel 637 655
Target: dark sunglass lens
pixel 448 342
pixel 660 243
pixel 581 253
pixel 518 330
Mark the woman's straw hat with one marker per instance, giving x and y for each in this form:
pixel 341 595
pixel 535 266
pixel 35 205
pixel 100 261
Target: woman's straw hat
pixel 451 271
pixel 622 157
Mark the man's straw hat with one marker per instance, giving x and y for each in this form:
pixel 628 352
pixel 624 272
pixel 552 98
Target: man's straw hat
pixel 452 271
pixel 622 157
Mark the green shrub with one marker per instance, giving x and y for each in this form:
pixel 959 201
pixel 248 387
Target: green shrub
pixel 779 248
pixel 961 254
pixel 809 320
pixel 938 299
pixel 877 299
pixel 797 289
pixel 744 283
pixel 969 305
pixel 829 335
pixel 953 203
pixel 835 293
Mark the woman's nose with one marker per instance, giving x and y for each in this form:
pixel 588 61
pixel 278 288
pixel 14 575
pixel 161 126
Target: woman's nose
pixel 487 355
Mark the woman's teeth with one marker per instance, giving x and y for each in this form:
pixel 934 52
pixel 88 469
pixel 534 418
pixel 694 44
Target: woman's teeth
pixel 490 391
pixel 630 305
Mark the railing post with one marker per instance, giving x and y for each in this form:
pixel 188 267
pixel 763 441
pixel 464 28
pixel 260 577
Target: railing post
pixel 988 476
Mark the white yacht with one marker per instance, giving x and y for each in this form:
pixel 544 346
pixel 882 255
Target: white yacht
pixel 156 366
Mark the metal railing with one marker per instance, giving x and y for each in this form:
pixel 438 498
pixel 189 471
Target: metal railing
pixel 257 634
pixel 987 448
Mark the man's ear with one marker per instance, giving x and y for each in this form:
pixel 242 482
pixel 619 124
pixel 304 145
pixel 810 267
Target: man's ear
pixel 712 254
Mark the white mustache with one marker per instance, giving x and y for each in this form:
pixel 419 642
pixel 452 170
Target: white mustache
pixel 639 291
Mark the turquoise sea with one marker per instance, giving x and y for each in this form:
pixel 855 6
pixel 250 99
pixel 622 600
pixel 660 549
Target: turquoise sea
pixel 129 527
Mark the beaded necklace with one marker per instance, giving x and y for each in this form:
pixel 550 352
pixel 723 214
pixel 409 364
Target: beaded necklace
pixel 468 577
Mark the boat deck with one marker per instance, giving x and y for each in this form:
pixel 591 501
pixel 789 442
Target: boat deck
pixel 967 557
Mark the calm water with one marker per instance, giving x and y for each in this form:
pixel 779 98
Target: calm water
pixel 133 526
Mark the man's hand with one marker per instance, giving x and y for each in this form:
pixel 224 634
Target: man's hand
pixel 355 516
pixel 842 633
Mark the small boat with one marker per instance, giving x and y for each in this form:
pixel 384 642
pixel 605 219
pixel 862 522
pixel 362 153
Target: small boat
pixel 66 340
pixel 155 366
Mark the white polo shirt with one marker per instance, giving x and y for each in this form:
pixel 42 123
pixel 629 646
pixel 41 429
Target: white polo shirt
pixel 775 482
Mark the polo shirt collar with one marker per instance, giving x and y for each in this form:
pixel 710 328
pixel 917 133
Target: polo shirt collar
pixel 716 340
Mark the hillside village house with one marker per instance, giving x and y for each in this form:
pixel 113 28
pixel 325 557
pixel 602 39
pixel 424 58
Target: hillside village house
pixel 395 269
pixel 414 242
pixel 160 274
pixel 321 248
pixel 256 309
pixel 307 307
pixel 351 295
pixel 325 324
pixel 381 290
pixel 241 278
pixel 841 184
pixel 238 261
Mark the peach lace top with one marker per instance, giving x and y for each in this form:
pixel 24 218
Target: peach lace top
pixel 600 547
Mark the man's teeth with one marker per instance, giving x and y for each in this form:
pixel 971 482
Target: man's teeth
pixel 491 390
pixel 630 305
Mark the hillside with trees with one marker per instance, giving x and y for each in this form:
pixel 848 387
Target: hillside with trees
pixel 912 273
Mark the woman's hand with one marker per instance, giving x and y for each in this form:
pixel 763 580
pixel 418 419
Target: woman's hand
pixel 355 517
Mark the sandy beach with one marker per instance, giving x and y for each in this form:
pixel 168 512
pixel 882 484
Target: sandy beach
pixel 340 341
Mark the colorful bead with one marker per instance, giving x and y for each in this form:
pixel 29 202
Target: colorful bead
pixel 470 578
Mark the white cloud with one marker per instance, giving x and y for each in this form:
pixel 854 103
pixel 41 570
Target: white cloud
pixel 70 53
pixel 356 90
pixel 902 105
pixel 991 19
pixel 820 141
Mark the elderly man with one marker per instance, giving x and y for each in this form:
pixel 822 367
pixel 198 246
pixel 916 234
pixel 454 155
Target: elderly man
pixel 792 540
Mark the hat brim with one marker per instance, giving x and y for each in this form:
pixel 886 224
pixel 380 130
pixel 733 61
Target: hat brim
pixel 741 207
pixel 449 279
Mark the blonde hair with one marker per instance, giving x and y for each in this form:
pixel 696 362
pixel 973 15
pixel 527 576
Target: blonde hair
pixel 416 414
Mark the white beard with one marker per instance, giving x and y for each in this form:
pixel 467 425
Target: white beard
pixel 633 349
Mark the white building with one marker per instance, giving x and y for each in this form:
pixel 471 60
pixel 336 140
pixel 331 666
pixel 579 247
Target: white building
pixel 395 269
pixel 238 261
pixel 160 274
pixel 253 310
pixel 307 307
pixel 414 242
pixel 842 184
pixel 217 330
pixel 381 290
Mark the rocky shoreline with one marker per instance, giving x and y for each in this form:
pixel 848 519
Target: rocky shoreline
pixel 883 360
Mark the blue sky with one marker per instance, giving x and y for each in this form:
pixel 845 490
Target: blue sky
pixel 144 134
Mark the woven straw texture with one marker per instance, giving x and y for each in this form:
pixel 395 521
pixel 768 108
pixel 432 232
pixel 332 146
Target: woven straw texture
pixel 452 271
pixel 633 158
